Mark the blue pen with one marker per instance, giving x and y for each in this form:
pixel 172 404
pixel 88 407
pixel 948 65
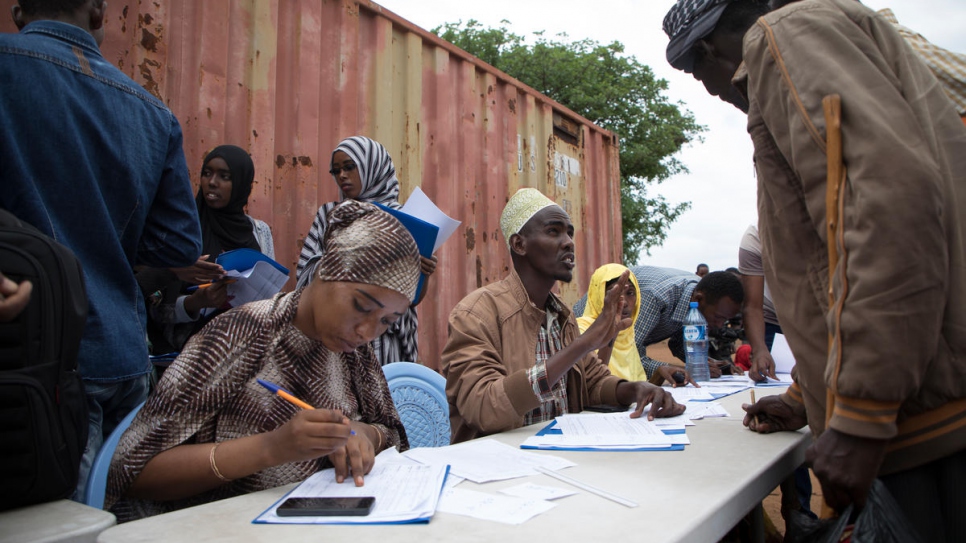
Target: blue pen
pixel 289 397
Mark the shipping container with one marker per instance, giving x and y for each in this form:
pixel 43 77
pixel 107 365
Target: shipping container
pixel 289 79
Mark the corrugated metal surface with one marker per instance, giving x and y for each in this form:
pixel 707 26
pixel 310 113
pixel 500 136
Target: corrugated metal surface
pixel 288 79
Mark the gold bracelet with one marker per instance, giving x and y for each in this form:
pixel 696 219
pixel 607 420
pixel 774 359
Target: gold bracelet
pixel 380 436
pixel 214 467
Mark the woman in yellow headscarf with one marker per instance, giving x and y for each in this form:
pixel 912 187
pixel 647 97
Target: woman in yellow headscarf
pixel 621 357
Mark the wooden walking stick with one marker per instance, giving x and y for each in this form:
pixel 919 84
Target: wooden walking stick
pixel 835 184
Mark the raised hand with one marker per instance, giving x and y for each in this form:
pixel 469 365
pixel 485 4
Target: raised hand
pixel 610 323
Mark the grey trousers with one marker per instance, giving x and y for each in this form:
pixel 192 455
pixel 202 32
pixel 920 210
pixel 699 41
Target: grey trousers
pixel 933 497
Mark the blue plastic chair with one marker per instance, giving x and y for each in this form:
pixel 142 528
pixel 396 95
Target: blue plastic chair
pixel 97 480
pixel 420 397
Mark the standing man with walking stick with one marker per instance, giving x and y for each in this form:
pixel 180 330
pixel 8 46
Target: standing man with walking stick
pixel 881 347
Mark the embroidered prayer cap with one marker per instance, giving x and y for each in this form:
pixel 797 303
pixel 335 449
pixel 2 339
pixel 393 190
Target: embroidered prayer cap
pixel 687 22
pixel 521 208
pixel 364 244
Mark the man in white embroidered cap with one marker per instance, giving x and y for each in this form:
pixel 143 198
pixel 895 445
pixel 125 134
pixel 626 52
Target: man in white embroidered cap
pixel 514 355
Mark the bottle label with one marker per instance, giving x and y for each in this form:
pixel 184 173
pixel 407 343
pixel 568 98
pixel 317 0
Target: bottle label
pixel 694 333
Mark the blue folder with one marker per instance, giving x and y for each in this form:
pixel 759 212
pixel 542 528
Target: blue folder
pixel 549 429
pixel 245 259
pixel 423 232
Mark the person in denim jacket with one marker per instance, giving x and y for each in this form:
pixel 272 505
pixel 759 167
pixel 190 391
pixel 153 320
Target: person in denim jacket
pixel 95 162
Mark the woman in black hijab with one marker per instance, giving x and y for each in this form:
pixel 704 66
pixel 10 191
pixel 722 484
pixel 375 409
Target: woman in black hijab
pixel 174 313
pixel 226 184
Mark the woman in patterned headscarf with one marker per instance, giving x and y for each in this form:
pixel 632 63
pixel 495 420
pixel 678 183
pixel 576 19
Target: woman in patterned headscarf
pixel 621 356
pixel 210 431
pixel 363 170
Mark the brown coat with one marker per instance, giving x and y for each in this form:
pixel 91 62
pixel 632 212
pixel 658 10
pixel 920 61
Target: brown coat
pixel 898 363
pixel 492 343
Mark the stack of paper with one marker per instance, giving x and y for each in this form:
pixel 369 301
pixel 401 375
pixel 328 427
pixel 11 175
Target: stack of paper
pixel 485 460
pixel 503 509
pixel 405 493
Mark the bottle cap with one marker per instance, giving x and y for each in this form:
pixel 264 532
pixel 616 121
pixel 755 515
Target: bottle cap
pixel 694 305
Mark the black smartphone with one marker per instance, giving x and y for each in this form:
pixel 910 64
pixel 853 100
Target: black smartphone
pixel 326 507
pixel 605 408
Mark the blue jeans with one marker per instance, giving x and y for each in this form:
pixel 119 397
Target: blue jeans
pixel 107 404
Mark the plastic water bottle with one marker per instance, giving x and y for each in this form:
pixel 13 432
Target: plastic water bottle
pixel 696 344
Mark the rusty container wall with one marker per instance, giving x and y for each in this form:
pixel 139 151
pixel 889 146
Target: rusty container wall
pixel 288 79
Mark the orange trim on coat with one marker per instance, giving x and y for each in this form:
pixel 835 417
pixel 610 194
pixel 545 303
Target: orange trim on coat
pixel 776 54
pixel 928 436
pixel 924 420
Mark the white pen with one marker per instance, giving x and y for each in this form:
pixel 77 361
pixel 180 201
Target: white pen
pixel 588 488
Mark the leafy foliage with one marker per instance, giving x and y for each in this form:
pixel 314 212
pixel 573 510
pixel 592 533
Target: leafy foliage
pixel 614 91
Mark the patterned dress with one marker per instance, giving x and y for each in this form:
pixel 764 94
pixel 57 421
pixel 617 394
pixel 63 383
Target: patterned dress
pixel 210 394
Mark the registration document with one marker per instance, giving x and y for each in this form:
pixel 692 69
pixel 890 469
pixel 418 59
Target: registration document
pixel 404 492
pixel 600 431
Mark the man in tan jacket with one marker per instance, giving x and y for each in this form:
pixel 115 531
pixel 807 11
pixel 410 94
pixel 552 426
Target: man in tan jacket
pixel 893 374
pixel 514 355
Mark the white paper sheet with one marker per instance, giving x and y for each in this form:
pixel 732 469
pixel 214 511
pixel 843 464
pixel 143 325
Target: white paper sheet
pixel 258 283
pixel 485 460
pixel 420 206
pixel 689 393
pixel 781 353
pixel 505 509
pixel 532 491
pixel 704 410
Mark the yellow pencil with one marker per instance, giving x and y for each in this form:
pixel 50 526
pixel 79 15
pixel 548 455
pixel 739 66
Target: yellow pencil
pixel 753 403
pixel 226 281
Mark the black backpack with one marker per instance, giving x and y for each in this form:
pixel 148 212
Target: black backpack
pixel 43 409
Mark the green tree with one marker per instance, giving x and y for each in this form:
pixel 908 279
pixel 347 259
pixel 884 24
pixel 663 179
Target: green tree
pixel 614 91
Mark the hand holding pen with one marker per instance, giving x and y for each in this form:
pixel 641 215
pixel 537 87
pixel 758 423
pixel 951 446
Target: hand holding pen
pixel 202 271
pixel 311 431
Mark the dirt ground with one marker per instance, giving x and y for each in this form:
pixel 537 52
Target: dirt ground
pixel 771 504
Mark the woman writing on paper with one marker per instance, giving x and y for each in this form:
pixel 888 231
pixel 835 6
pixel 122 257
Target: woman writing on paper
pixel 175 313
pixel 363 171
pixel 210 431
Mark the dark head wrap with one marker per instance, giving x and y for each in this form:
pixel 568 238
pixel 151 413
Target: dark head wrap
pixel 687 22
pixel 228 228
pixel 378 175
pixel 364 244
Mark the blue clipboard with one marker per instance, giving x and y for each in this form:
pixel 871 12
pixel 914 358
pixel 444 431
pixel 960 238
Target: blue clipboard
pixel 414 520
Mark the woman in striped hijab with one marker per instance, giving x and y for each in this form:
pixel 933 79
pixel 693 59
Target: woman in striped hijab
pixel 211 431
pixel 363 171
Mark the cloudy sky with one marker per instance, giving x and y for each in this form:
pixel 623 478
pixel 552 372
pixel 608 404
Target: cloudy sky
pixel 720 184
